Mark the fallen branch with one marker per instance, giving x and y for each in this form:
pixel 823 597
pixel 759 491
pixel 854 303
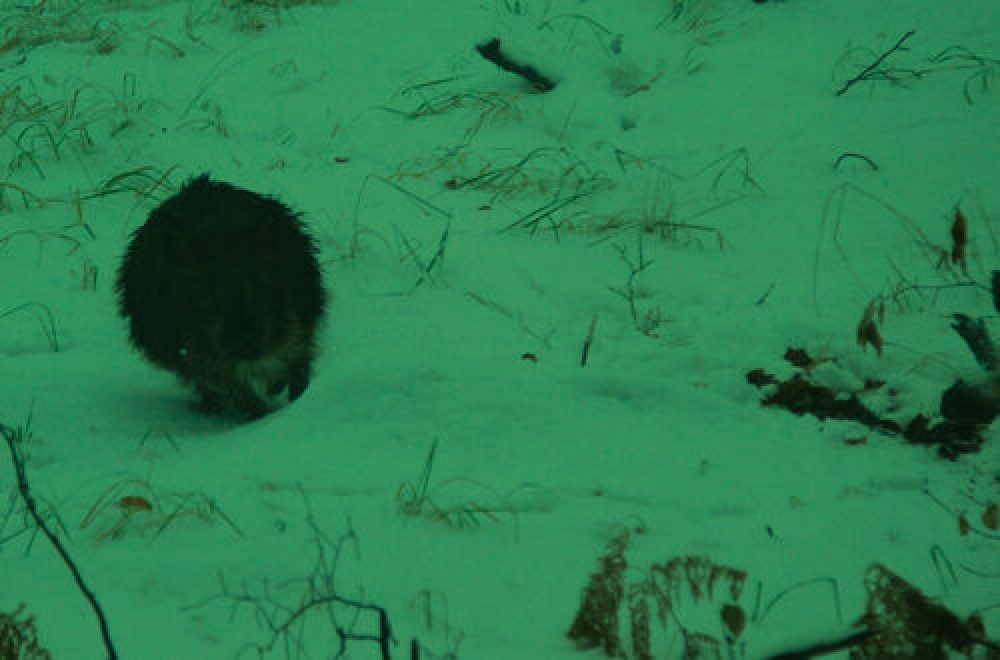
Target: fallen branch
pixel 492 52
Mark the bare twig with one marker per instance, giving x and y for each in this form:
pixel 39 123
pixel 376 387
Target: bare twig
pixel 648 324
pixel 283 617
pixel 13 438
pixel 872 68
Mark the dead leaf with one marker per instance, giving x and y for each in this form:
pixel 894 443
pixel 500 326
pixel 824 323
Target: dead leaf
pixel 959 238
pixel 867 332
pixel 991 517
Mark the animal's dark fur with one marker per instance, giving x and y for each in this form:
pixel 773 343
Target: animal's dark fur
pixel 222 287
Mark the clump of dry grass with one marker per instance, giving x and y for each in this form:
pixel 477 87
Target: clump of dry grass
pixel 258 15
pixel 35 127
pixel 43 23
pixel 695 16
pixel 136 507
pixel 625 617
pixel 42 126
pixel 910 625
pixel 19 637
pixel 420 499
pixel 647 607
pixel 595 625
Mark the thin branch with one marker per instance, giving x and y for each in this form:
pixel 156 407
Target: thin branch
pixel 870 69
pixel 11 436
pixel 284 614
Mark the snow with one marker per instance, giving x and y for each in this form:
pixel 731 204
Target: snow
pixel 359 114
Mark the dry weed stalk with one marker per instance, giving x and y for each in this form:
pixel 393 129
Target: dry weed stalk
pixel 417 500
pixel 951 261
pixel 426 267
pixel 985 70
pixel 609 41
pixel 41 237
pixel 831 222
pixel 434 614
pixel 517 317
pixel 45 318
pixel 28 198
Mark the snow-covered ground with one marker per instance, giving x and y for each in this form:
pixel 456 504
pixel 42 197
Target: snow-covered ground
pixel 680 185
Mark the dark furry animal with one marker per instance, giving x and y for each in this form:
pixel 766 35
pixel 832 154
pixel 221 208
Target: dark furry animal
pixel 222 286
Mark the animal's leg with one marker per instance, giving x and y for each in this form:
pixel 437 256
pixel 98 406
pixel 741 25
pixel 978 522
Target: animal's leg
pixel 298 379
